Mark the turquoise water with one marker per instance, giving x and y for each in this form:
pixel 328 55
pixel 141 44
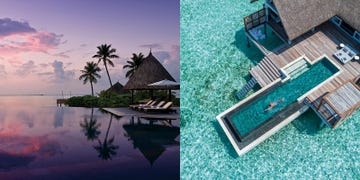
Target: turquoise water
pixel 271 41
pixel 214 65
pixel 253 115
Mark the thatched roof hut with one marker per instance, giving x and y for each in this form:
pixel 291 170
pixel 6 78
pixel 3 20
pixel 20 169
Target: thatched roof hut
pixel 118 88
pixel 149 71
pixel 301 16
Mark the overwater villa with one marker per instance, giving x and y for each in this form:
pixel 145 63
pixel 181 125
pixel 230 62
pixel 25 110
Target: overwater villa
pixel 316 67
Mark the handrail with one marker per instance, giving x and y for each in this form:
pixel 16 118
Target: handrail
pixel 255 19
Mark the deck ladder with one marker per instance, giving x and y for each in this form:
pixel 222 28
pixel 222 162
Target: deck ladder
pixel 244 90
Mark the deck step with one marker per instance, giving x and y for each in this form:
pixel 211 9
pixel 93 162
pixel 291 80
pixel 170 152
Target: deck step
pixel 244 90
pixel 265 72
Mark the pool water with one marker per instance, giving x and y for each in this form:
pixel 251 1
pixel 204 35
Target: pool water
pixel 215 62
pixel 249 117
pixel 42 141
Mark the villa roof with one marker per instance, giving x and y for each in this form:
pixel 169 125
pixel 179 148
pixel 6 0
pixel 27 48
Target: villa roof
pixel 149 71
pixel 118 88
pixel 301 16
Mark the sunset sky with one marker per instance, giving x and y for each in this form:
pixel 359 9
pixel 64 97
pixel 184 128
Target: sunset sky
pixel 45 43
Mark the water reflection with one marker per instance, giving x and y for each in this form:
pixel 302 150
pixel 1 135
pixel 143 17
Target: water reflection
pixel 91 127
pixel 42 142
pixel 9 161
pixel 151 139
pixel 59 117
pixel 26 118
pixel 106 149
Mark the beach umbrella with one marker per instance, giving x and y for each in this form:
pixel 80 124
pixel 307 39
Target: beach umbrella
pixel 165 84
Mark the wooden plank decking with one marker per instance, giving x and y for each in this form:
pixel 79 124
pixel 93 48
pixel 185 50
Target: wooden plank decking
pixel 324 40
pixel 344 98
pixel 265 72
pixel 128 112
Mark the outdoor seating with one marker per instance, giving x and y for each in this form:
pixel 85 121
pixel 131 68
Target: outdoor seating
pixel 149 103
pixel 163 109
pixel 345 54
pixel 141 108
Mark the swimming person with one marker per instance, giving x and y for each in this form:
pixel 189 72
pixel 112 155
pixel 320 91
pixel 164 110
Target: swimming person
pixel 273 104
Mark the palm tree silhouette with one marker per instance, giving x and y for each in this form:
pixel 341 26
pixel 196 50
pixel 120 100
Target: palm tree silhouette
pixel 91 128
pixel 134 64
pixel 90 74
pixel 105 54
pixel 107 148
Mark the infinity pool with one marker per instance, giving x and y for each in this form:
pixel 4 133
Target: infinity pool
pixel 247 118
pixel 41 141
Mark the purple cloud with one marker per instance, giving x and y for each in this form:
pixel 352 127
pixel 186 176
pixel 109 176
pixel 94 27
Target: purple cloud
pixel 60 75
pixel 26 68
pixel 3 72
pixel 21 37
pixel 9 27
pixel 48 39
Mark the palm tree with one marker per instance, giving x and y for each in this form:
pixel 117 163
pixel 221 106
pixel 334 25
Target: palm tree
pixel 107 148
pixel 90 74
pixel 105 54
pixel 91 128
pixel 134 64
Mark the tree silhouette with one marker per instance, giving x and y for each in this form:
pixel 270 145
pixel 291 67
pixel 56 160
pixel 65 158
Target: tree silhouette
pixel 105 54
pixel 106 149
pixel 134 64
pixel 91 128
pixel 90 74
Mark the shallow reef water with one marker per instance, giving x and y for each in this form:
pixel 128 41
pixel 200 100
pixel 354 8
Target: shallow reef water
pixel 215 61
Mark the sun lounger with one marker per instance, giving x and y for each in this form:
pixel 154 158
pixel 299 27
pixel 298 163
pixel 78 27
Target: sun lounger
pixel 141 108
pixel 149 103
pixel 163 109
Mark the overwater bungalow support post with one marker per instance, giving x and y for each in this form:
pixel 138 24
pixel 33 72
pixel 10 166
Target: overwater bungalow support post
pixel 265 30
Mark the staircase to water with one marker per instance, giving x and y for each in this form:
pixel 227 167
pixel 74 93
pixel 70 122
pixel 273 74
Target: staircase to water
pixel 265 72
pixel 297 68
pixel 244 90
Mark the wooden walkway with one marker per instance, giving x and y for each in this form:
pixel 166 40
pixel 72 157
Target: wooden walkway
pixel 336 106
pixel 324 40
pixel 128 112
pixel 265 72
pixel 344 98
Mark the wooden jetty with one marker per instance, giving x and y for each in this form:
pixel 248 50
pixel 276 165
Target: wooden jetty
pixel 166 118
pixel 60 102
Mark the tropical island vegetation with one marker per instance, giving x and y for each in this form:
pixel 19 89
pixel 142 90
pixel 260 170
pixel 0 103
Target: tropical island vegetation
pixel 112 97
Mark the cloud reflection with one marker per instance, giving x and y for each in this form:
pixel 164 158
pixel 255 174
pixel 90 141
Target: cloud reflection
pixel 17 150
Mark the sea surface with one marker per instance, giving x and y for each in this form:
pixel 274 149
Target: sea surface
pixel 215 61
pixel 39 140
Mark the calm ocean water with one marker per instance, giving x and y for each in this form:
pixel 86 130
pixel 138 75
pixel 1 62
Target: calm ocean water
pixel 41 141
pixel 214 65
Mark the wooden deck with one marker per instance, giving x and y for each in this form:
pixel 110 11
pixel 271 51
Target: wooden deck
pixel 265 72
pixel 324 40
pixel 336 106
pixel 128 112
